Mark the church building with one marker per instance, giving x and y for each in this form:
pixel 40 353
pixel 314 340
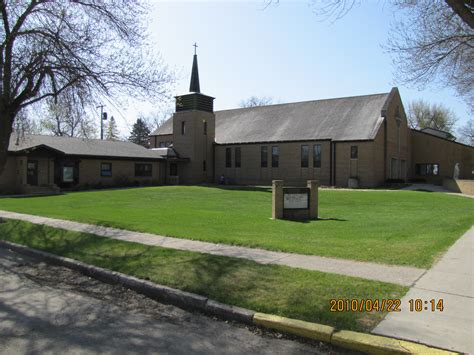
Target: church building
pixel 360 141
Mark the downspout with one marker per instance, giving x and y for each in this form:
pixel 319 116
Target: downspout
pixel 335 164
pixel 384 148
pixel 213 162
pixel 330 163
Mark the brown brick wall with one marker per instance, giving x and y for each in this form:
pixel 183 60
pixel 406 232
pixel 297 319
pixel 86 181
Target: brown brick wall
pixel 194 145
pixel 395 112
pixel 289 170
pixel 364 168
pixel 428 149
pixel 122 171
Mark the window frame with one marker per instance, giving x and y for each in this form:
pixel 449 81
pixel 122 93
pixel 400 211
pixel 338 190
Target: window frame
pixel 263 156
pixel 275 157
pixel 317 159
pixel 228 157
pixel 143 172
pixel 304 156
pixel 427 172
pixel 102 170
pixel 354 149
pixel 238 157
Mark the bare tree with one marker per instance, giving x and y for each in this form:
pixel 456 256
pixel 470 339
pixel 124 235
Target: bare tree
pixel 466 133
pixel 66 115
pixel 423 115
pixel 254 101
pixel 433 43
pixel 47 47
pixel 25 124
pixel 156 118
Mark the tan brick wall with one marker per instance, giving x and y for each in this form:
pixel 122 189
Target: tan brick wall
pixel 194 145
pixel 122 171
pixel 289 170
pixel 428 149
pixel 398 146
pixel 364 168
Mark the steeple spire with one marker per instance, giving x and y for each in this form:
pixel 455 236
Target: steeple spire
pixel 194 86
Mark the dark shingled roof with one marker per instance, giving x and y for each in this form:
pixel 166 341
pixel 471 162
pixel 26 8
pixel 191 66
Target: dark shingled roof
pixel 83 147
pixel 342 119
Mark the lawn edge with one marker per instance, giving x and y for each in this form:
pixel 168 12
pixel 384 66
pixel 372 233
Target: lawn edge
pixel 341 338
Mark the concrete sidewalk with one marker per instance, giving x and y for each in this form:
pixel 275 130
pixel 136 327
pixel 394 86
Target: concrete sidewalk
pixel 451 280
pixel 402 275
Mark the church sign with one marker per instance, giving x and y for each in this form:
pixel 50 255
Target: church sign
pixel 295 198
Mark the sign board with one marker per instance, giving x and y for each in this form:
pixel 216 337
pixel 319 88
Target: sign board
pixel 295 198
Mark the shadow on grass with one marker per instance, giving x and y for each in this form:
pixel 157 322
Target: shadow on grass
pixel 195 272
pixel 266 288
pixel 238 187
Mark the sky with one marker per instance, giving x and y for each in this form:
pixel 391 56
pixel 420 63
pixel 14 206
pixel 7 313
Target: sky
pixel 284 51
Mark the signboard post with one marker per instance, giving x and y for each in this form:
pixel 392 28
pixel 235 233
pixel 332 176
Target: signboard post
pixel 295 202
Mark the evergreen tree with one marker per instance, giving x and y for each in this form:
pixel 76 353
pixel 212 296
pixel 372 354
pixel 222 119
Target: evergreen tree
pixel 112 133
pixel 140 133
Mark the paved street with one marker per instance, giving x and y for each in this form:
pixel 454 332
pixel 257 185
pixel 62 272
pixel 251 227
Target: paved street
pixel 451 279
pixel 45 308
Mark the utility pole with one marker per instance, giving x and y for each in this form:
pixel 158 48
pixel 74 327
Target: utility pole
pixel 103 117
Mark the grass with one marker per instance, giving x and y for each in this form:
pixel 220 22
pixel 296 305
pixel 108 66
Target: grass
pixel 289 292
pixel 392 227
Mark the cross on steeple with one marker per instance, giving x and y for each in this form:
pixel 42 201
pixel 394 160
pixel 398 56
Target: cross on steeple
pixel 194 86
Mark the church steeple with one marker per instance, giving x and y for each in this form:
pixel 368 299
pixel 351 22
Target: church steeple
pixel 194 85
pixel 194 100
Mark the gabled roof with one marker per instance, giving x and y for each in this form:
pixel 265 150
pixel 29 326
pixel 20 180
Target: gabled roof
pixel 82 147
pixel 341 119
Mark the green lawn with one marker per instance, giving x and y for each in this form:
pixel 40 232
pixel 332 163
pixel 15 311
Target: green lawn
pixel 273 289
pixel 393 227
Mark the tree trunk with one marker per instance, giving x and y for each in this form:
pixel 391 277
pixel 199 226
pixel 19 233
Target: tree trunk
pixel 462 10
pixel 6 123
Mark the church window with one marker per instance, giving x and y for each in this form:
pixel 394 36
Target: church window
pixel 427 169
pixel 203 165
pixel 228 157
pixel 317 156
pixel 238 157
pixel 183 128
pixel 354 152
pixel 304 156
pixel 263 157
pixel 275 157
pixel 143 169
pixel 106 169
pixel 205 128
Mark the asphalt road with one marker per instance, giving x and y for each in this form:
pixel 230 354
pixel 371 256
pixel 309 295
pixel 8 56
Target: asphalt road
pixel 50 309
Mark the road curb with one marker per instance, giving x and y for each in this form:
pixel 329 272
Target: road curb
pixel 183 299
pixel 372 344
pixel 293 326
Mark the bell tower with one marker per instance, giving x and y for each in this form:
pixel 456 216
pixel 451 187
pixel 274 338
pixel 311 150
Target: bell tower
pixel 194 126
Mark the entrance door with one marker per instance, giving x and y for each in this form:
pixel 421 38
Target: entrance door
pixel 32 172
pixel 173 169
